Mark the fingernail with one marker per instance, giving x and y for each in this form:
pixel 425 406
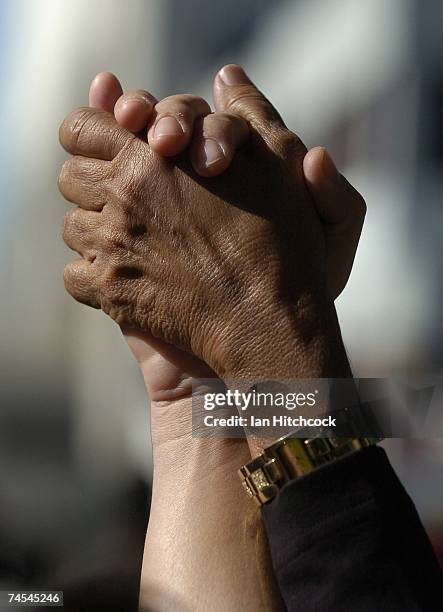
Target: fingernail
pixel 168 126
pixel 213 152
pixel 329 168
pixel 233 75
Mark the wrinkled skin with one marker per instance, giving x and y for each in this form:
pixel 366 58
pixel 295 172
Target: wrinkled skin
pixel 201 264
pixel 340 207
pixel 167 370
pixel 222 267
pixel 188 260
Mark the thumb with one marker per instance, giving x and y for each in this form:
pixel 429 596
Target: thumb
pixel 341 209
pixel 336 200
pixel 104 92
pixel 235 92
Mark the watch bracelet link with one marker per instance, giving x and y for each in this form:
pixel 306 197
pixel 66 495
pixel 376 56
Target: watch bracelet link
pixel 289 458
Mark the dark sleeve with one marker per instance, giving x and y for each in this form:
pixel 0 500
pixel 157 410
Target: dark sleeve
pixel 347 537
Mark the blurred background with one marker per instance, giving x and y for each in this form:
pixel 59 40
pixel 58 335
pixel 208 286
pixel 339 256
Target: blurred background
pixel 364 78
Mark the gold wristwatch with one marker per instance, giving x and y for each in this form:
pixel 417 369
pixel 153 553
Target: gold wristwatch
pixel 289 458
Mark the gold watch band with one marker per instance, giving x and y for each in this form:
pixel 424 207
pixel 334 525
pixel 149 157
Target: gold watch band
pixel 289 458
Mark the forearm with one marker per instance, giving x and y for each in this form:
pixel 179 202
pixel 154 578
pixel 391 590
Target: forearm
pixel 205 547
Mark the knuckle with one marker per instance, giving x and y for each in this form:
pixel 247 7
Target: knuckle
pixel 72 279
pixel 64 177
pixel 87 170
pixel 74 125
pixel 251 104
pixel 113 237
pixel 80 284
pixel 67 277
pixel 68 224
pixel 240 102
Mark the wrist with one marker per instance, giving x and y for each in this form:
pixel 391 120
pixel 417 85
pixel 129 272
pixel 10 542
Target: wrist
pixel 288 341
pixel 180 459
pixel 178 449
pixel 296 340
